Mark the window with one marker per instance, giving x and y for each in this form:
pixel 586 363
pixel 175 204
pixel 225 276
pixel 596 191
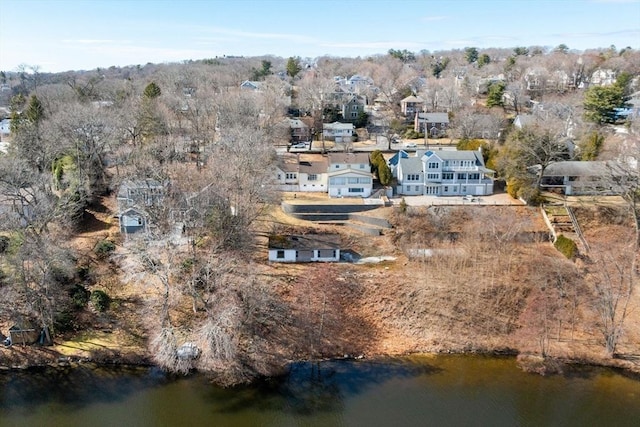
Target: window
pixel 447 175
pixel 464 189
pixel 474 176
pixel 354 115
pixel 279 177
pixel 462 176
pixel 361 166
pixel 280 255
pixel 337 181
pixel 432 176
pixel 290 176
pixel 312 177
pixel 356 190
pixel 446 189
pixel 352 180
pixel 354 107
pixel 433 165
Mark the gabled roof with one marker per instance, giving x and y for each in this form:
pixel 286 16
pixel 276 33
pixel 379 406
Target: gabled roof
pixel 400 154
pixel 348 158
pixel 524 120
pixel 297 123
pixel 306 241
pixel 251 84
pixel 434 117
pixel 413 98
pixel 138 184
pixel 360 172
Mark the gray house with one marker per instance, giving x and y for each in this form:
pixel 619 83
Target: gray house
pixel 134 199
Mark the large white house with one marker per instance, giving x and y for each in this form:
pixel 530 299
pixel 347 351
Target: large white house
pixel 350 175
pixel 444 173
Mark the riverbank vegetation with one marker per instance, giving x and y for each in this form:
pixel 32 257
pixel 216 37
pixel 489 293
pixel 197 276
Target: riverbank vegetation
pixel 195 291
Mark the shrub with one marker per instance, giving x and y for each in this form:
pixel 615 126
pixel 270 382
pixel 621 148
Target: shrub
pixel 566 246
pixel 100 300
pixel 4 244
pixel 79 296
pixel 104 247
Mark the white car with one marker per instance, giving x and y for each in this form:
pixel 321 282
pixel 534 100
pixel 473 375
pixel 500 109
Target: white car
pixel 300 145
pixel 411 145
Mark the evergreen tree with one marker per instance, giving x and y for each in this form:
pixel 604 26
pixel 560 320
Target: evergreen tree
pixel 496 90
pixel 471 54
pixel 152 91
pixel 293 67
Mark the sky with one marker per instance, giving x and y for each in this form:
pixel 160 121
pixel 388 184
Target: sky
pixel 60 35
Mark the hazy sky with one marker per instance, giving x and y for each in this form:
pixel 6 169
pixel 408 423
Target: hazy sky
pixel 59 35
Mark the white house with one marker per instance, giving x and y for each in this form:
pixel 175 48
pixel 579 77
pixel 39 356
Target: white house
pixel 302 172
pixel 410 176
pixel 444 173
pixel 313 174
pixel 454 173
pixel 304 248
pixel 349 175
pixel 339 132
pixel 133 220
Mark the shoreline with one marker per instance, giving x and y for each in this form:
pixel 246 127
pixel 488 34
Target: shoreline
pixel 527 362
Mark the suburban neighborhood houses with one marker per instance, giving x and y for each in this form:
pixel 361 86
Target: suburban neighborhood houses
pixel 234 214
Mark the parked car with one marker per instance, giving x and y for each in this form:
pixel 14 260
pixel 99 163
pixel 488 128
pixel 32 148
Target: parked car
pixel 411 145
pixel 300 145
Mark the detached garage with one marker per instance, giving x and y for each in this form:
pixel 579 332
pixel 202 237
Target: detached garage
pixel 304 248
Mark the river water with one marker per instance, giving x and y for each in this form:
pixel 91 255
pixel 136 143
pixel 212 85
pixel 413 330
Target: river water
pixel 417 391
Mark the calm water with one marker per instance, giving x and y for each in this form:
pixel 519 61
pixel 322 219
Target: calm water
pixel 439 391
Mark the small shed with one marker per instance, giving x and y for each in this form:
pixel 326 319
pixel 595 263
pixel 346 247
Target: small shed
pixel 132 220
pixel 304 248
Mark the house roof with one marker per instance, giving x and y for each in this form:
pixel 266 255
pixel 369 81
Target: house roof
pixel 475 155
pixel 337 125
pixel 313 167
pixel 306 241
pixel 400 154
pixel 434 117
pixel 138 184
pixel 410 165
pixel 524 120
pixel 360 172
pixel 288 162
pixel 577 168
pixel 297 123
pixel 412 98
pixel 348 158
